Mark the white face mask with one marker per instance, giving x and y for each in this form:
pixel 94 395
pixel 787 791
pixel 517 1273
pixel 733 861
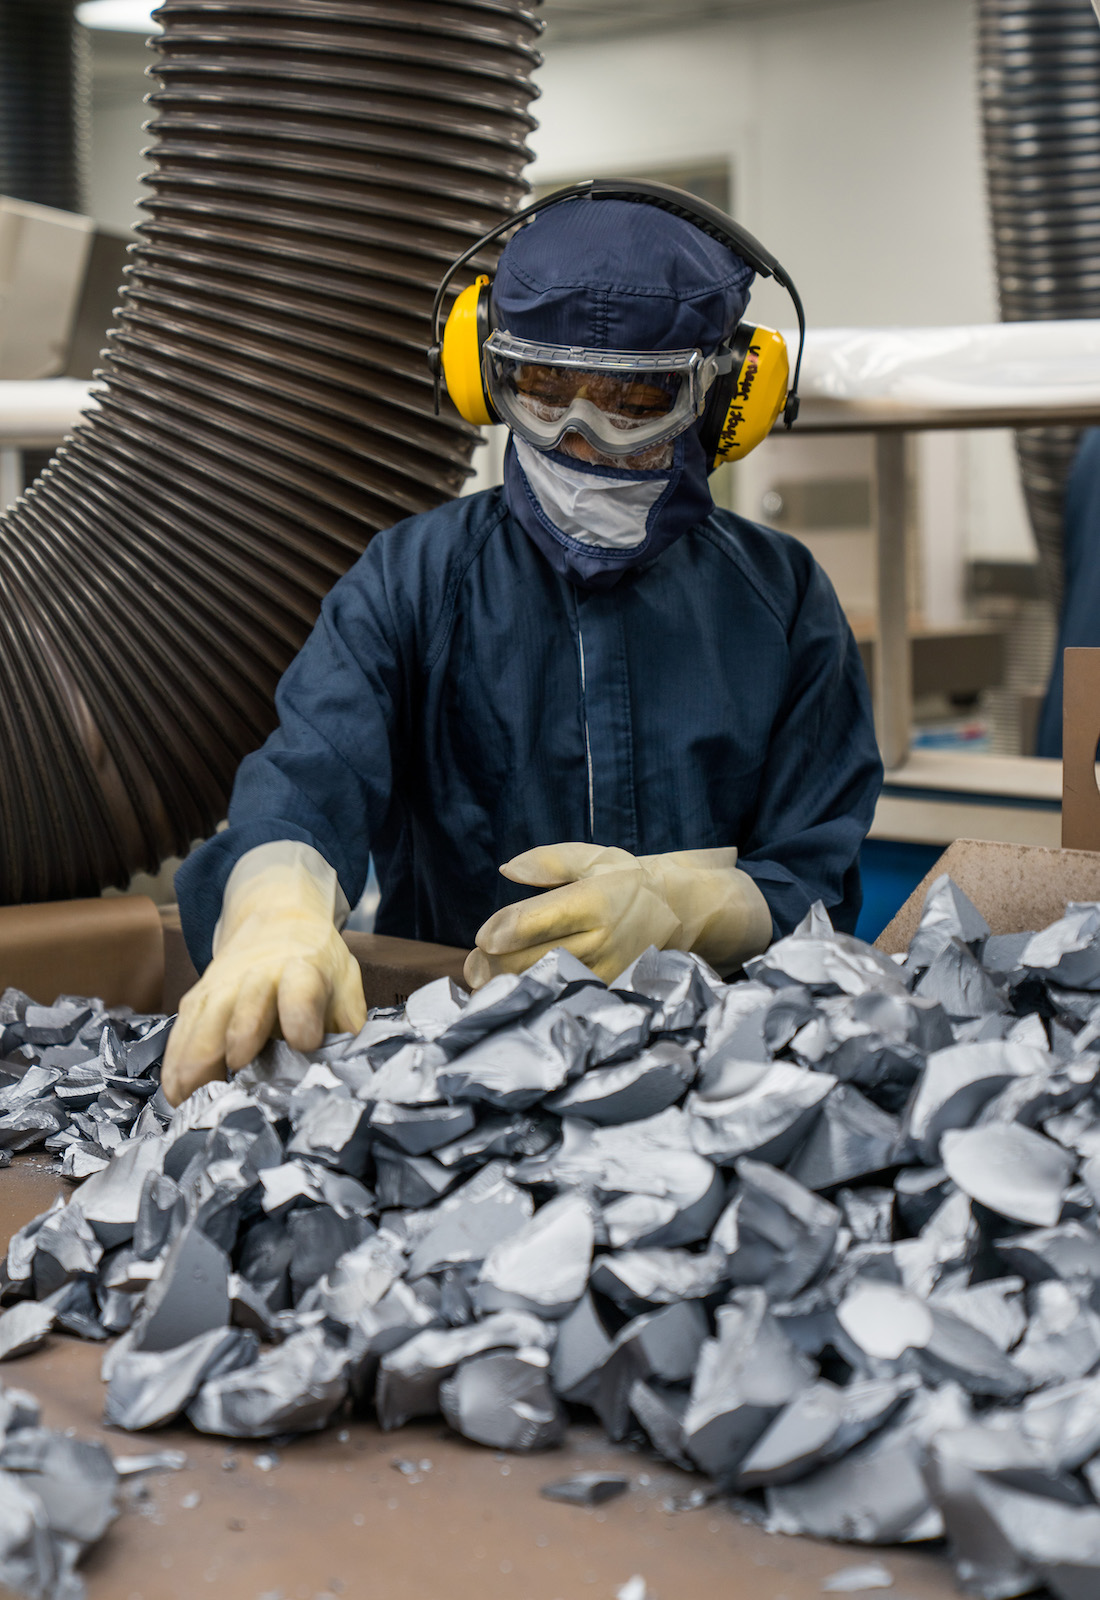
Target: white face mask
pixel 610 513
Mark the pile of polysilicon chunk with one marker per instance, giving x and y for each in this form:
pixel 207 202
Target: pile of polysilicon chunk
pixel 827 1234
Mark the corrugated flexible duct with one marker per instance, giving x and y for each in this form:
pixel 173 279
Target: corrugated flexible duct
pixel 1039 80
pixel 266 409
pixel 44 104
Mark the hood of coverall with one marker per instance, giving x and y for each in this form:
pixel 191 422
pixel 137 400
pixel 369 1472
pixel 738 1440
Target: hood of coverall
pixel 614 275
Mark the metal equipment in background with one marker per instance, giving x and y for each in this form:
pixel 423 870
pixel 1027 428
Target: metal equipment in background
pixel 266 406
pixel 1039 89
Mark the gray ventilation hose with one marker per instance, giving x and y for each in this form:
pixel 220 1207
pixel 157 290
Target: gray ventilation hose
pixel 1039 79
pixel 267 406
pixel 44 103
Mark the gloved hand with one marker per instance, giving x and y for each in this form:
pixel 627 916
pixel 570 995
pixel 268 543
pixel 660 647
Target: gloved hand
pixel 611 906
pixel 277 956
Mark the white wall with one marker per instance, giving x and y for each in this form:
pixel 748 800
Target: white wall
pixel 118 86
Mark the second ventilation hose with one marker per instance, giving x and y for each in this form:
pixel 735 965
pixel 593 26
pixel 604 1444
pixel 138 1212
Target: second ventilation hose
pixel 266 406
pixel 1039 82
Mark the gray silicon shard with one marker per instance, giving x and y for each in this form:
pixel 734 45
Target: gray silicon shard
pixel 678 985
pixel 318 1239
pixel 409 1181
pixel 820 1425
pixel 635 1280
pixel 1070 1250
pixel 1063 1336
pixel 512 1070
pixel 662 1346
pixel 74 1479
pixel 692 1198
pixel 23 1327
pixel 435 1007
pixel 586 1488
pixel 504 1400
pixel 948 914
pixel 829 962
pixel 580 1353
pixel 876 1494
pixel 408 1077
pixel 356 1282
pixel 397 1317
pixel 768 1120
pixel 957 1471
pixel 161 1211
pixel 18 1409
pixel 743 1379
pixel 883 1322
pixel 1068 951
pixel 776 1232
pixel 191 1295
pixel 293 1387
pixel 66 1248
pixel 959 983
pixel 59 1024
pixel 543 1267
pixel 1008 1541
pixel 958 1352
pixel 111 1199
pixel 1010 1169
pixel 419 1129
pixel 919 1192
pixel 1063 1423
pixel 511 1137
pixel 148 1051
pixel 851 1139
pixel 746 1023
pixel 868 1214
pixel 996 1307
pixel 629 1091
pixel 614 1027
pixel 335 1131
pixel 957 1082
pixel 409 1377
pixel 661 1413
pixel 503 1003
pixel 465 1226
pixel 29 1558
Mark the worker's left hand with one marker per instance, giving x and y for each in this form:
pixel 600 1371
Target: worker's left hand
pixel 605 906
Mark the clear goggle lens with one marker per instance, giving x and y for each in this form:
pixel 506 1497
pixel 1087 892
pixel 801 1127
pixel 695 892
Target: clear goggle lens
pixel 618 407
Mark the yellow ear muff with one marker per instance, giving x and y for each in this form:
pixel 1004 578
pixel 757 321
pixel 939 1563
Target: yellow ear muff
pixel 466 329
pixel 754 393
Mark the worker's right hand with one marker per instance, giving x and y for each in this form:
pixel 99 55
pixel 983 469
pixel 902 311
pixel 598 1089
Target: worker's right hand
pixel 278 960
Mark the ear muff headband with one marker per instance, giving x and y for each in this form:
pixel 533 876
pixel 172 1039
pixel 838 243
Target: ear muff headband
pixel 701 213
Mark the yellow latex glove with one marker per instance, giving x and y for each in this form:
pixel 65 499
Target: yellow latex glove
pixel 278 957
pixel 609 906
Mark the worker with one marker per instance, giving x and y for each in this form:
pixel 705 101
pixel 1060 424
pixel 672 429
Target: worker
pixel 651 711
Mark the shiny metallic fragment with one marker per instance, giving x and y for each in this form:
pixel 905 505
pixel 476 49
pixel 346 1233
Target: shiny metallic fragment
pixel 147 1388
pixel 544 1266
pixel 504 1400
pixel 820 1425
pixel 1009 1168
pixel 745 1376
pixel 290 1388
pixel 409 1377
pixel 586 1488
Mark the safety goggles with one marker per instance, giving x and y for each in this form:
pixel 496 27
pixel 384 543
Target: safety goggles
pixel 621 401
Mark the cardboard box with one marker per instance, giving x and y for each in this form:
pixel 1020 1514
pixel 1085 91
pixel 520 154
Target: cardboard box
pixel 127 951
pixel 1016 887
